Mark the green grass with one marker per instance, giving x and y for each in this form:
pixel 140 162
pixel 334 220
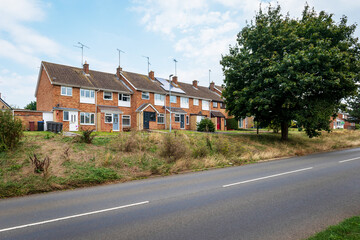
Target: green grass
pixel 348 229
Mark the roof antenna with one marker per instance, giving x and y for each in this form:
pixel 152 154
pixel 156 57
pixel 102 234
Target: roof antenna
pixel 82 51
pixel 119 55
pixel 148 59
pixel 175 65
pixel 209 76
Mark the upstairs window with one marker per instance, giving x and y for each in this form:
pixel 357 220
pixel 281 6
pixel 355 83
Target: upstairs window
pixel 205 105
pixel 173 99
pixel 124 97
pixel 108 96
pixel 145 95
pixel 87 96
pixel 66 91
pixel 215 104
pixel 184 102
pixel 196 102
pixel 159 99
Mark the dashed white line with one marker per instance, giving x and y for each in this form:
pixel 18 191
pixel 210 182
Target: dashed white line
pixel 72 216
pixel 271 176
pixel 348 160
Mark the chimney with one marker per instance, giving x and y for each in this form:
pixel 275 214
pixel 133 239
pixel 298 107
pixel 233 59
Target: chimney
pixel 175 80
pixel 212 86
pixel 118 70
pixel 195 83
pixel 86 68
pixel 152 75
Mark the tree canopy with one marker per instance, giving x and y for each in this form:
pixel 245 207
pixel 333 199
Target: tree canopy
pixel 284 69
pixel 31 106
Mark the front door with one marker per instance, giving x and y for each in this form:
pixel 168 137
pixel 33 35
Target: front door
pixel 116 122
pixel 218 123
pixel 73 123
pixel 146 119
pixel 182 121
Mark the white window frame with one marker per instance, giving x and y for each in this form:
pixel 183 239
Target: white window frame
pixel 68 114
pixel 89 115
pixel 111 96
pixel 215 104
pixel 126 117
pixel 187 120
pixel 174 97
pixel 68 91
pixel 87 99
pixel 184 102
pixel 163 117
pixel 111 115
pixel 121 102
pixel 196 102
pixel 203 105
pixel 177 116
pixel 159 99
pixel 145 94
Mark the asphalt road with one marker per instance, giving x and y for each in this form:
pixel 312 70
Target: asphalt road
pixel 284 199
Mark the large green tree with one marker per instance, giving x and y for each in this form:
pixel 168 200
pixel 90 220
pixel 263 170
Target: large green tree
pixel 284 69
pixel 31 105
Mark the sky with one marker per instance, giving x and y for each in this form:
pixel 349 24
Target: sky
pixel 194 32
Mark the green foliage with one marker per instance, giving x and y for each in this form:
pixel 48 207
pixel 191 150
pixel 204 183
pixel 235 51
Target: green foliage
pixel 11 131
pixel 354 108
pixel 173 148
pixel 206 125
pixel 86 136
pixel 287 69
pixel 232 124
pixel 31 106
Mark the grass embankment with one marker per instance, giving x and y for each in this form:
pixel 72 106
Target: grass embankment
pixel 122 157
pixel 346 230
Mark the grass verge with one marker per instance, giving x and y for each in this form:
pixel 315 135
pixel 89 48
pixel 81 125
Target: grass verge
pixel 346 230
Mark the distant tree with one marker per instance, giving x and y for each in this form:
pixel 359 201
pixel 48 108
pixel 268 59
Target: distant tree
pixel 353 108
pixel 285 69
pixel 31 106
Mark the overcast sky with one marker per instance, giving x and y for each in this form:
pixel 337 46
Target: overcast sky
pixel 195 32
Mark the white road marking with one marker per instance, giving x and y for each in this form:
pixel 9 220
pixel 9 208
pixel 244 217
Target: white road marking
pixel 72 216
pixel 271 176
pixel 348 160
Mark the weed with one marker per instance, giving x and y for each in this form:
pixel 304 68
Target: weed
pixel 173 148
pixel 40 166
pixel 86 136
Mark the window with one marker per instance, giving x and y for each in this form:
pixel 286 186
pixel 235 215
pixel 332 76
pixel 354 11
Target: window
pixel 205 105
pixel 87 118
pixel 173 99
pixel 126 121
pixel 222 105
pixel 87 96
pixel 177 117
pixel 124 100
pixel 187 120
pixel 215 104
pixel 196 102
pixel 184 102
pixel 145 95
pixel 159 99
pixel 108 95
pixel 65 116
pixel 108 118
pixel 66 91
pixel 161 119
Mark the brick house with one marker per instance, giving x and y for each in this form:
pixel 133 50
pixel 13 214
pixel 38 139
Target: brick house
pixel 340 122
pixel 81 98
pixel 4 105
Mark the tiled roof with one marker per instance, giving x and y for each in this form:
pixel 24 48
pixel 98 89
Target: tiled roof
pixel 112 109
pixel 72 76
pixel 176 110
pixel 200 92
pixel 144 106
pixel 7 105
pixel 143 82
pixel 65 109
pixel 217 114
pixel 219 87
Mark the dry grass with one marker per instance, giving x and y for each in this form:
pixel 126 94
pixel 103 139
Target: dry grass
pixel 135 155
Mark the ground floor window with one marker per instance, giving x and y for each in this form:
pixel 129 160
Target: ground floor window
pixel 177 117
pixel 108 118
pixel 65 116
pixel 187 120
pixel 161 119
pixel 87 118
pixel 126 121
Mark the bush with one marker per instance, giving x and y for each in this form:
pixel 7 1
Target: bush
pixel 86 136
pixel 206 125
pixel 232 124
pixel 173 148
pixel 11 131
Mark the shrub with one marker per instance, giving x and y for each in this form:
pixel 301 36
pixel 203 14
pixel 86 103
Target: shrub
pixel 232 124
pixel 206 125
pixel 86 136
pixel 11 131
pixel 173 148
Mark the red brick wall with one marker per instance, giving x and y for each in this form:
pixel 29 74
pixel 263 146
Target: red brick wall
pixel 44 95
pixel 28 116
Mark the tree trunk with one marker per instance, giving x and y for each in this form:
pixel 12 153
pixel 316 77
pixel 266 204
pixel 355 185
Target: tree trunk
pixel 284 131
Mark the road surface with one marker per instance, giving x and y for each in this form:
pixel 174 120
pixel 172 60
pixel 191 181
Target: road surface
pixel 283 199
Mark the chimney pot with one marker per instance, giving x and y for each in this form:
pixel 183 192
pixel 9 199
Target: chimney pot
pixel 86 68
pixel 195 83
pixel 175 79
pixel 152 75
pixel 212 86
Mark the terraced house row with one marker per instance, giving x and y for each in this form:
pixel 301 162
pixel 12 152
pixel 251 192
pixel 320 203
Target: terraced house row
pixel 81 98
